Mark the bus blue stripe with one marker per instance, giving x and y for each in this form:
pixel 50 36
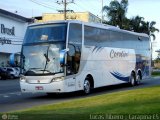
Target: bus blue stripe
pixel 120 76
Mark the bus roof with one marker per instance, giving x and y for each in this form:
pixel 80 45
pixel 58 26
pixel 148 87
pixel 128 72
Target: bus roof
pixel 98 25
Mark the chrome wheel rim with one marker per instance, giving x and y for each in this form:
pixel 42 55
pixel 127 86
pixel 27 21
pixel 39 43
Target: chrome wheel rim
pixel 138 79
pixel 86 86
pixel 132 81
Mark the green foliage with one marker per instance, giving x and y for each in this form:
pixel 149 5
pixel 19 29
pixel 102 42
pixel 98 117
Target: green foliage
pixel 157 60
pixel 156 73
pixel 116 12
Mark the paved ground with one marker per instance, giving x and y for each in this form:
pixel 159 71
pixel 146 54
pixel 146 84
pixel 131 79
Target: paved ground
pixel 8 86
pixel 12 99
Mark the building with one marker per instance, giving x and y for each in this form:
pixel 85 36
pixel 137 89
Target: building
pixel 83 16
pixel 12 30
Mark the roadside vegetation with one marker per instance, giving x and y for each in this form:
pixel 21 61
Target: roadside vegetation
pixel 139 101
pixel 156 69
pixel 156 73
pixel 116 13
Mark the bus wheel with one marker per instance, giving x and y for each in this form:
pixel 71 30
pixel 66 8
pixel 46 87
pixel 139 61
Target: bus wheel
pixel 132 79
pixel 87 86
pixel 138 81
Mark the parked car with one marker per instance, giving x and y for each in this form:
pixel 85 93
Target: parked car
pixel 4 74
pixel 18 70
pixel 12 71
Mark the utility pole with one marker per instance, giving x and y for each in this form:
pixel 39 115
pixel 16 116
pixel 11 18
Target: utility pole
pixel 102 13
pixel 151 43
pixel 65 3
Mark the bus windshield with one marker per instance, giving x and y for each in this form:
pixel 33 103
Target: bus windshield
pixel 42 59
pixel 41 49
pixel 45 33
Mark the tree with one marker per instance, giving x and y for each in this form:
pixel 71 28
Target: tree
pixel 116 13
pixel 157 60
pixel 136 24
pixel 148 28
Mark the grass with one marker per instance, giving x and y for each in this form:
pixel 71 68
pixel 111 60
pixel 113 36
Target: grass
pixel 139 101
pixel 155 73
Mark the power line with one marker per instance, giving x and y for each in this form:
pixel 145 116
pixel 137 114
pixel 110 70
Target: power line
pixel 79 4
pixel 83 8
pixel 43 4
pixel 65 3
pixel 80 7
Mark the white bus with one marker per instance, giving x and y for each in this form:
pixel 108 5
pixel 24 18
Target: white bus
pixel 68 56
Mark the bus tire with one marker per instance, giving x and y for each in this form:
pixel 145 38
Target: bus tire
pixel 132 79
pixel 87 86
pixel 139 78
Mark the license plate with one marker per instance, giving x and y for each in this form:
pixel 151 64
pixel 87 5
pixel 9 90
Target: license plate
pixel 39 87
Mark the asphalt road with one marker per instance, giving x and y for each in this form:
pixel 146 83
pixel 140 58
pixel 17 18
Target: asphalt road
pixel 12 99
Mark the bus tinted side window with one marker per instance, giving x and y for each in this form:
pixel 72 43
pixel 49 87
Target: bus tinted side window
pixel 90 36
pixel 95 36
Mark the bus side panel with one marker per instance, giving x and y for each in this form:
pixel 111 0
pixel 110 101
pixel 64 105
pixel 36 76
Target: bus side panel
pixel 108 65
pixel 117 65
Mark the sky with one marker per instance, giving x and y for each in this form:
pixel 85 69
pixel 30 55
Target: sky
pixel 29 8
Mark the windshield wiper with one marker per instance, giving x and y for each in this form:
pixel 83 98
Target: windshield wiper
pixel 46 56
pixel 47 59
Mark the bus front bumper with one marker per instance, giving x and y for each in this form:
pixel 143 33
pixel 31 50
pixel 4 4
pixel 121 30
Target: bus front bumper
pixel 54 87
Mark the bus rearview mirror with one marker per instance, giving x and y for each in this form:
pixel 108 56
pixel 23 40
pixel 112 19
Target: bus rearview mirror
pixel 62 55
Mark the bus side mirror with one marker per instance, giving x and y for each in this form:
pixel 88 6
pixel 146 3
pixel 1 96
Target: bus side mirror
pixel 14 59
pixel 62 56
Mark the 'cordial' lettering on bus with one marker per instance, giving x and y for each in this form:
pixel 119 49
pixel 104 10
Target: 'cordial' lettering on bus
pixel 121 54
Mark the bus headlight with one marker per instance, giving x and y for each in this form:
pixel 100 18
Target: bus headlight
pixel 23 79
pixel 57 79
